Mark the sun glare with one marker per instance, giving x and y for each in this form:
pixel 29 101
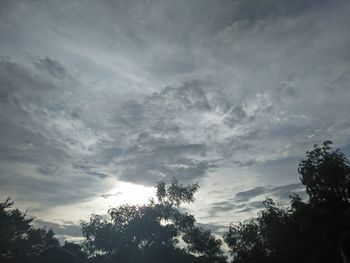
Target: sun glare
pixel 128 193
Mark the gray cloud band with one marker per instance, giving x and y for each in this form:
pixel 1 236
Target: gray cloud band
pixel 189 89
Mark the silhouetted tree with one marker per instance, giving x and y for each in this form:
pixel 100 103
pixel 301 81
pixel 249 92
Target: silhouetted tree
pixel 315 230
pixel 306 231
pixel 203 243
pixel 76 250
pixel 326 175
pixel 56 255
pixel 259 239
pixel 20 241
pixel 152 233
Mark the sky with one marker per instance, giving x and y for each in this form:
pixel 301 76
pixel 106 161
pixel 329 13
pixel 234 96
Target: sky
pixel 99 100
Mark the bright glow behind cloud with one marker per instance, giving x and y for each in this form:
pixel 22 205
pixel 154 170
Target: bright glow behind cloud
pixel 205 91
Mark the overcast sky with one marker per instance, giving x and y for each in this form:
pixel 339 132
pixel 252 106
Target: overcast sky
pixel 101 99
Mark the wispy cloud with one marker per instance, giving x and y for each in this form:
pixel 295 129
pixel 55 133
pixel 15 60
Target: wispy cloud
pixel 229 94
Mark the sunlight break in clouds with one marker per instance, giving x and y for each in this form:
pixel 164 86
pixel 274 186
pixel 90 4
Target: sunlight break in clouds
pixel 101 99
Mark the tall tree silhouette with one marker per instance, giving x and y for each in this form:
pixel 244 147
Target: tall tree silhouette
pixel 306 231
pixel 326 175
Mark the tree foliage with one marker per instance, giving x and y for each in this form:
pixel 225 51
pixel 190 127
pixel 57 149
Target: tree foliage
pixel 175 193
pixel 314 230
pixel 153 232
pixel 307 231
pixel 326 175
pixel 20 241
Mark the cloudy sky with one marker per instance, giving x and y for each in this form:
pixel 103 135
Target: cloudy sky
pixel 101 99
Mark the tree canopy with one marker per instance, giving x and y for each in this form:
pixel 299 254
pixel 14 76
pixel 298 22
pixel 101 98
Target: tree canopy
pixel 20 240
pixel 152 232
pixel 307 231
pixel 312 230
pixel 326 175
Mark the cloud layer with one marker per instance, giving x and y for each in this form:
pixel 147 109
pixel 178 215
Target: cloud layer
pixel 229 94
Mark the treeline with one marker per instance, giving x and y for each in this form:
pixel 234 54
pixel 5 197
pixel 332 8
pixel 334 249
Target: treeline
pixel 314 230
